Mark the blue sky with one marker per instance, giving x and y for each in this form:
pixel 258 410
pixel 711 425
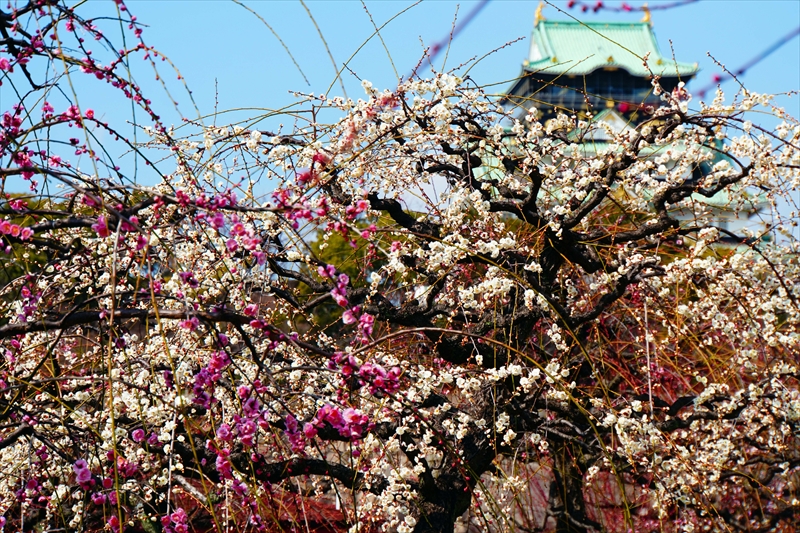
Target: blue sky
pixel 231 60
pixel 220 46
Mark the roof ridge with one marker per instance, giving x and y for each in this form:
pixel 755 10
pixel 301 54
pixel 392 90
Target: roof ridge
pixel 551 22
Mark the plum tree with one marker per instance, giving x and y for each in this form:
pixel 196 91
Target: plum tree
pixel 545 334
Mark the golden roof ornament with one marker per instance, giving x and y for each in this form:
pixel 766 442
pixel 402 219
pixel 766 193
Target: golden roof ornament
pixel 646 17
pixel 538 17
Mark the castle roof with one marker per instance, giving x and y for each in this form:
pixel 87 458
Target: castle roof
pixel 577 48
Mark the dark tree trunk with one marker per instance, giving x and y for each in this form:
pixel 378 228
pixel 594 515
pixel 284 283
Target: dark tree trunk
pixel 444 499
pixel 566 493
pixel 443 503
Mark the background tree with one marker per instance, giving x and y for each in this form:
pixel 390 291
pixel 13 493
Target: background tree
pixel 533 340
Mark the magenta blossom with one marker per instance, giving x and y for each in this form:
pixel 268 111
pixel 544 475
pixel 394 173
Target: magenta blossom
pixel 349 316
pixel 224 432
pixel 328 271
pixel 101 227
pixel 82 472
pixel 138 435
pixel 190 323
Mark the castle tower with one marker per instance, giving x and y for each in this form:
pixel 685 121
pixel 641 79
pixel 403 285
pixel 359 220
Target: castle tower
pixel 575 67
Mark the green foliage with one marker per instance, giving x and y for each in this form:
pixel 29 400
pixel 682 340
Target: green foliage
pixel 353 256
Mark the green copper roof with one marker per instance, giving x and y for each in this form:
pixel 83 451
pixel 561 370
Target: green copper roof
pixel 568 47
